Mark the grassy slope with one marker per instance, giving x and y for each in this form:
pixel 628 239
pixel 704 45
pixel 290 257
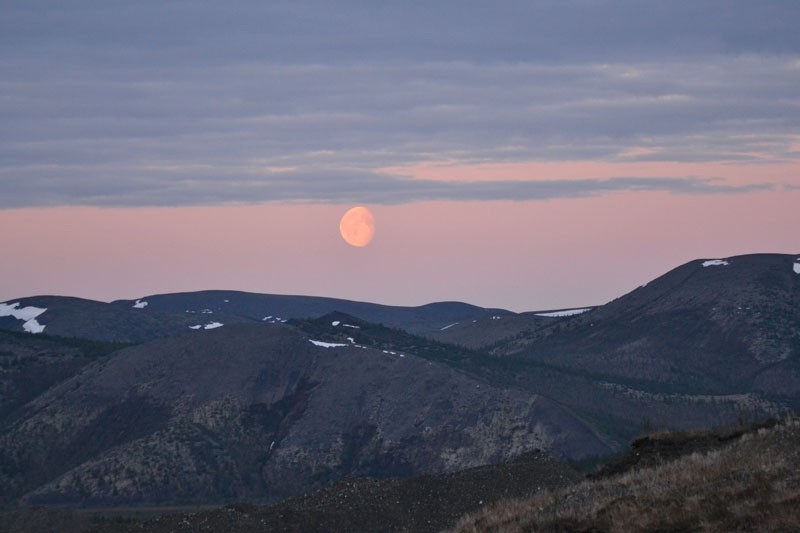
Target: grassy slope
pixel 701 481
pixel 750 483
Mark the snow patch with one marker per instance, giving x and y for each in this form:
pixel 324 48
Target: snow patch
pixel 326 344
pixel 335 323
pixel 448 326
pixel 24 313
pixel 140 304
pixel 566 312
pixel 351 326
pixel 27 314
pixel 715 262
pixel 32 326
pixel 210 325
pixel 796 267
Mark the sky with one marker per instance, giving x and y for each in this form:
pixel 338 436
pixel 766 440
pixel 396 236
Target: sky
pixel 515 154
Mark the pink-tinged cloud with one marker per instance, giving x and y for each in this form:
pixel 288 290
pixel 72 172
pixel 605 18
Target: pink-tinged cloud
pixel 784 172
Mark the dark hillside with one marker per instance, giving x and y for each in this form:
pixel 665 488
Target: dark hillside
pixel 31 364
pixel 263 412
pixel 738 479
pixel 720 329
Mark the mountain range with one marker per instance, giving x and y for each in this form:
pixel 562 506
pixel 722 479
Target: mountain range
pixel 224 396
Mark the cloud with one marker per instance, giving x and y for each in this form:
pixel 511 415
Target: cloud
pixel 198 187
pixel 155 102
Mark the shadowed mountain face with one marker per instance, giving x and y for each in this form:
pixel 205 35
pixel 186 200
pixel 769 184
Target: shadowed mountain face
pixel 722 327
pixel 709 343
pixel 261 412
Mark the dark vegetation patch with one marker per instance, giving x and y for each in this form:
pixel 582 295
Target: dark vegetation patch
pixel 651 450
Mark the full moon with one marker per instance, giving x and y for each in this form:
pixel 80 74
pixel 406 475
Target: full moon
pixel 357 226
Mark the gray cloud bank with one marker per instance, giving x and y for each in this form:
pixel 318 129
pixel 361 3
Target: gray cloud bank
pixel 324 186
pixel 173 103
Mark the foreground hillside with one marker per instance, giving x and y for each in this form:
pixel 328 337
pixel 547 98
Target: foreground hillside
pixel 724 480
pixel 750 483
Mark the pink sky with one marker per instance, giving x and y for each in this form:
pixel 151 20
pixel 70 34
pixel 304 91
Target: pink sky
pixel 516 255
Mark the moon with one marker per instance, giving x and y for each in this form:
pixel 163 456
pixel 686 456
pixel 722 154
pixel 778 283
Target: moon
pixel 357 226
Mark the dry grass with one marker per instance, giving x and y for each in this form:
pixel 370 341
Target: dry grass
pixel 752 484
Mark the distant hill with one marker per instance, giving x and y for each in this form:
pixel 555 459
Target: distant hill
pixel 65 316
pixel 275 308
pixel 710 326
pixel 712 342
pixel 158 316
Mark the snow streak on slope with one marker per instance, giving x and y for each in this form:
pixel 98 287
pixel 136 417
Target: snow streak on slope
pixel 566 312
pixel 326 344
